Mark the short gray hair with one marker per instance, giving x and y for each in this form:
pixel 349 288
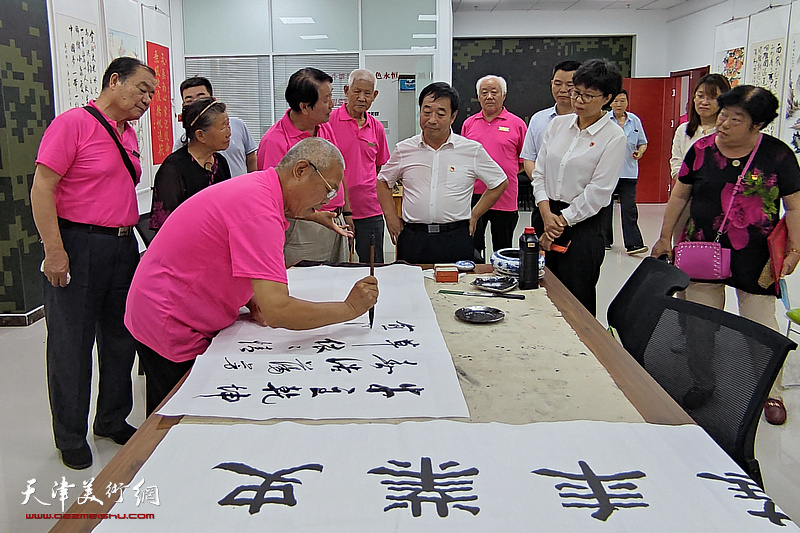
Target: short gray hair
pixel 360 74
pixel 500 80
pixel 314 149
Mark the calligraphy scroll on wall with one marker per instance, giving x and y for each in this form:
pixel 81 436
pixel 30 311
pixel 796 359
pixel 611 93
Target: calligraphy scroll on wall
pixel 444 476
pixel 766 55
pixel 399 368
pixel 161 106
pixel 76 54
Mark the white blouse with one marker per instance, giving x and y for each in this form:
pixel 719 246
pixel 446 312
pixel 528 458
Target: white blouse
pixel 681 144
pixel 579 167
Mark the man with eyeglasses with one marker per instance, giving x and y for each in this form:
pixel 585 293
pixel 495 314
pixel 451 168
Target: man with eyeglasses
pixel 223 249
pixel 560 85
pixel 321 235
pixel 439 170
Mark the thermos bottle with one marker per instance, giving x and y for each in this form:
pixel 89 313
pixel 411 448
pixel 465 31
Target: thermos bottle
pixel 528 260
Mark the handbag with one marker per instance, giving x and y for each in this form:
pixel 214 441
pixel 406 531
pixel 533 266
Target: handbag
pixel 709 261
pixel 778 244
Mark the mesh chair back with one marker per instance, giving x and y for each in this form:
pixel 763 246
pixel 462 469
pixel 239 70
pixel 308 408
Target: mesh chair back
pixel 143 228
pixel 719 366
pixel 650 279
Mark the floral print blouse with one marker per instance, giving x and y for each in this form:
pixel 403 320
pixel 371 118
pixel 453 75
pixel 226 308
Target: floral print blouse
pixel 774 173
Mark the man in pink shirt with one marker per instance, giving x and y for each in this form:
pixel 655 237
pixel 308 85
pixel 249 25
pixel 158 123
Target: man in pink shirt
pixel 502 134
pixel 84 205
pixel 224 249
pixel 310 97
pixel 362 141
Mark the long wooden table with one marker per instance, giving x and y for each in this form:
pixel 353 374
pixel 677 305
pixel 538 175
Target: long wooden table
pixel 649 399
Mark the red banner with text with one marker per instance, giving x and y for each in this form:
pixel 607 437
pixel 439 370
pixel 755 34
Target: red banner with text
pixel 161 106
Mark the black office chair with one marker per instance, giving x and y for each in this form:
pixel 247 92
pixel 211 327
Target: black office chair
pixel 722 375
pixel 143 229
pixel 651 278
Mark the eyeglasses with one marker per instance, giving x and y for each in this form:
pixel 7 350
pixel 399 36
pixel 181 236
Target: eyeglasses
pixel 583 97
pixel 331 191
pixel 705 97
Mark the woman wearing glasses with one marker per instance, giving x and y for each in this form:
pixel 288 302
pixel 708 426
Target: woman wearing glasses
pixel 703 112
pixel 709 178
pixel 195 166
pixel 576 172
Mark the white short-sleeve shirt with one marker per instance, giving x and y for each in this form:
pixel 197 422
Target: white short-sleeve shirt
pixel 437 184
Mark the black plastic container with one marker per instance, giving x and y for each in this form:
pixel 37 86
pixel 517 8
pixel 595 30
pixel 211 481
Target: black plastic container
pixel 528 260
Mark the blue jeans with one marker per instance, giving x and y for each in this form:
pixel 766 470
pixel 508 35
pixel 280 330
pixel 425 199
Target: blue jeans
pixel 91 307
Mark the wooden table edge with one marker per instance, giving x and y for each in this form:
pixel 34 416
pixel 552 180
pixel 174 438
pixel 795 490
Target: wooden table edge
pixel 646 395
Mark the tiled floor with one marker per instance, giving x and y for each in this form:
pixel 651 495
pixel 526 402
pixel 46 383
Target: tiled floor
pixel 26 443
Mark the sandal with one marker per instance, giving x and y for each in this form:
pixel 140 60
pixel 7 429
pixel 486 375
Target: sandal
pixel 775 411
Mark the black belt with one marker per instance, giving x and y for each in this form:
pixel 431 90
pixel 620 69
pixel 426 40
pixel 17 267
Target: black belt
pixel 123 231
pixel 557 206
pixel 436 228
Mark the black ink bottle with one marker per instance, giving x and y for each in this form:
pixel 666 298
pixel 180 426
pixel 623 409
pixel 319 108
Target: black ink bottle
pixel 528 260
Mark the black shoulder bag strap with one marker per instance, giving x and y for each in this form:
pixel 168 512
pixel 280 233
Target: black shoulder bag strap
pixel 125 159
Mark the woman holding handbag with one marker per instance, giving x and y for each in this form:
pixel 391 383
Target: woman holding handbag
pixel 735 179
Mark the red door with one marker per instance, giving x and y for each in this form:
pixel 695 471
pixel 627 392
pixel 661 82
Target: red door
pixel 651 99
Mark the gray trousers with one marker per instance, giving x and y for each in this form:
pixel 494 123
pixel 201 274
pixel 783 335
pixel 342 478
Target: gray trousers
pixel 91 307
pixel 306 240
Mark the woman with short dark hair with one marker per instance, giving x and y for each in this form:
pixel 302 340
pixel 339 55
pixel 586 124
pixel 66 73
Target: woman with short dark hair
pixel 576 171
pixel 708 178
pixel 703 112
pixel 195 166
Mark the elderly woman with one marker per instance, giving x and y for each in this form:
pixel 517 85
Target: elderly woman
pixel 708 177
pixel 192 168
pixel 576 172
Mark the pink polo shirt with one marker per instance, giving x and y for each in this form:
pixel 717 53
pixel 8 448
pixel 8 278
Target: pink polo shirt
pixel 364 149
pixel 196 273
pixel 95 186
pixel 502 138
pixel 281 137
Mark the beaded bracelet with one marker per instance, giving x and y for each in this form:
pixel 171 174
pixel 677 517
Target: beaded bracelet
pixel 792 251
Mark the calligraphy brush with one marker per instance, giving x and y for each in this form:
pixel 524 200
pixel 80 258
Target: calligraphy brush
pixel 371 273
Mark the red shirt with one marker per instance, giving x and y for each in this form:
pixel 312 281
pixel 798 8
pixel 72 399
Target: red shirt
pixel 364 150
pixel 502 138
pixel 95 186
pixel 280 138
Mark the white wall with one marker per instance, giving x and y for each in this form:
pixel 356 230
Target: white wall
pixel 691 37
pixel 648 28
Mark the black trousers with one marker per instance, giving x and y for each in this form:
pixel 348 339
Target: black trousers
pixel 364 227
pixel 161 375
pixel 90 308
pixel 579 267
pixel 418 246
pixel 503 225
pixel 626 190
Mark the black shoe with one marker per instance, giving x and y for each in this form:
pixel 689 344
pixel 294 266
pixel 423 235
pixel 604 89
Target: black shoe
pixel 77 459
pixel 636 249
pixel 696 397
pixel 121 436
